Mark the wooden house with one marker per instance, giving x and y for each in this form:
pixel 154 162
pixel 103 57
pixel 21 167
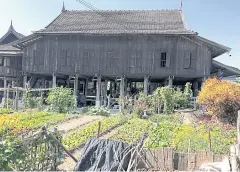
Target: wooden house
pixel 10 58
pixel 110 52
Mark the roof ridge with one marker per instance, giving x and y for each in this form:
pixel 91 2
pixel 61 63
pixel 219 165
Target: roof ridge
pixel 123 10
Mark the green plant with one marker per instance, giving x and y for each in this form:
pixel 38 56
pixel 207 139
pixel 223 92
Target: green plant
pixel 61 99
pixel 161 135
pixel 74 138
pixel 12 153
pixel 8 103
pixel 145 103
pixel 101 111
pixel 131 131
pixel 5 110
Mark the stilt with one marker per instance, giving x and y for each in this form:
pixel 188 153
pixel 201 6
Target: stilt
pixel 170 81
pixel 16 99
pixel 195 88
pixel 146 84
pixel 122 93
pixel 5 87
pixel 68 82
pixel 105 93
pixel 54 81
pixel 86 87
pixel 25 81
pixel 43 83
pixel 98 93
pixel 75 89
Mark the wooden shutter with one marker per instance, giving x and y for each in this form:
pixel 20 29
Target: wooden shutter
pixel 187 60
pixel 168 60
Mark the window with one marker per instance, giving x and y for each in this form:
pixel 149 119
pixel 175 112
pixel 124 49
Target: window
pixel 187 60
pixel 66 56
pixel 7 61
pixel 163 59
pixel 86 58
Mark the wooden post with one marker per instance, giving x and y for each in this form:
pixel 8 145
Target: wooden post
pixel 170 81
pixel 5 89
pixel 122 93
pixel 99 129
pixel 86 87
pixel 16 99
pixel 7 95
pixel 146 84
pixel 25 81
pixel 75 90
pixel 109 101
pixel 54 81
pixel 105 93
pixel 98 93
pixel 195 88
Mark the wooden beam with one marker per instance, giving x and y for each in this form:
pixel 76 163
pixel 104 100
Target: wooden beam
pixel 75 90
pixel 170 81
pixel 98 92
pixel 122 92
pixel 105 92
pixel 54 81
pixel 146 84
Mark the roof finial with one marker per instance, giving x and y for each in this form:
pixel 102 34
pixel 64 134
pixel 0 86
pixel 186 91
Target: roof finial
pixel 11 26
pixel 63 7
pixel 181 6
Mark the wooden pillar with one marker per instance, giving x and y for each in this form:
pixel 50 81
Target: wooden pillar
pixel 54 81
pixel 86 87
pixel 98 92
pixel 16 99
pixel 146 84
pixel 75 89
pixel 105 93
pixel 43 82
pixel 5 87
pixel 122 93
pixel 195 88
pixel 170 81
pixel 68 82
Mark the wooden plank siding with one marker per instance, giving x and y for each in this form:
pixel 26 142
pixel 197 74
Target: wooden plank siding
pixel 133 56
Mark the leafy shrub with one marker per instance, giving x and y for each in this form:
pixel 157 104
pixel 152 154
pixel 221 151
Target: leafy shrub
pixel 61 99
pixel 101 111
pixel 11 153
pixel 8 103
pixel 173 98
pixel 162 134
pixel 221 98
pixel 144 102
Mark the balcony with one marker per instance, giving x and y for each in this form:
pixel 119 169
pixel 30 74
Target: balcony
pixel 8 71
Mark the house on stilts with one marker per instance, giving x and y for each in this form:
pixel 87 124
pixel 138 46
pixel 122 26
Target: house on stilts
pixel 100 53
pixel 10 60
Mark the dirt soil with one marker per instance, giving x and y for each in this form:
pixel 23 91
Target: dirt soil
pixel 76 123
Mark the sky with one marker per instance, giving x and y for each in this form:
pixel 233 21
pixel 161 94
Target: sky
pixel 217 20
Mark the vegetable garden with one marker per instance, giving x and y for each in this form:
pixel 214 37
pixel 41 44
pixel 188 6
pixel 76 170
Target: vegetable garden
pixel 163 130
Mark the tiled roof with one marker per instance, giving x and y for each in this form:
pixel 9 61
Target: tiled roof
pixel 119 22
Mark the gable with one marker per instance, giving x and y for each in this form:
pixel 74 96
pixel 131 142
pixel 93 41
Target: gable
pixel 10 38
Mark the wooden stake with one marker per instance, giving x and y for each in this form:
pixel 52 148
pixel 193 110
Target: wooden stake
pixel 233 158
pixel 8 94
pixel 99 129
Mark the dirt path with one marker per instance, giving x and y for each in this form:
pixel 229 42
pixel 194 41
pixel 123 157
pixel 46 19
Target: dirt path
pixel 75 123
pixel 69 163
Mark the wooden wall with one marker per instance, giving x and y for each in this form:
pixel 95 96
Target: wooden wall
pixel 134 56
